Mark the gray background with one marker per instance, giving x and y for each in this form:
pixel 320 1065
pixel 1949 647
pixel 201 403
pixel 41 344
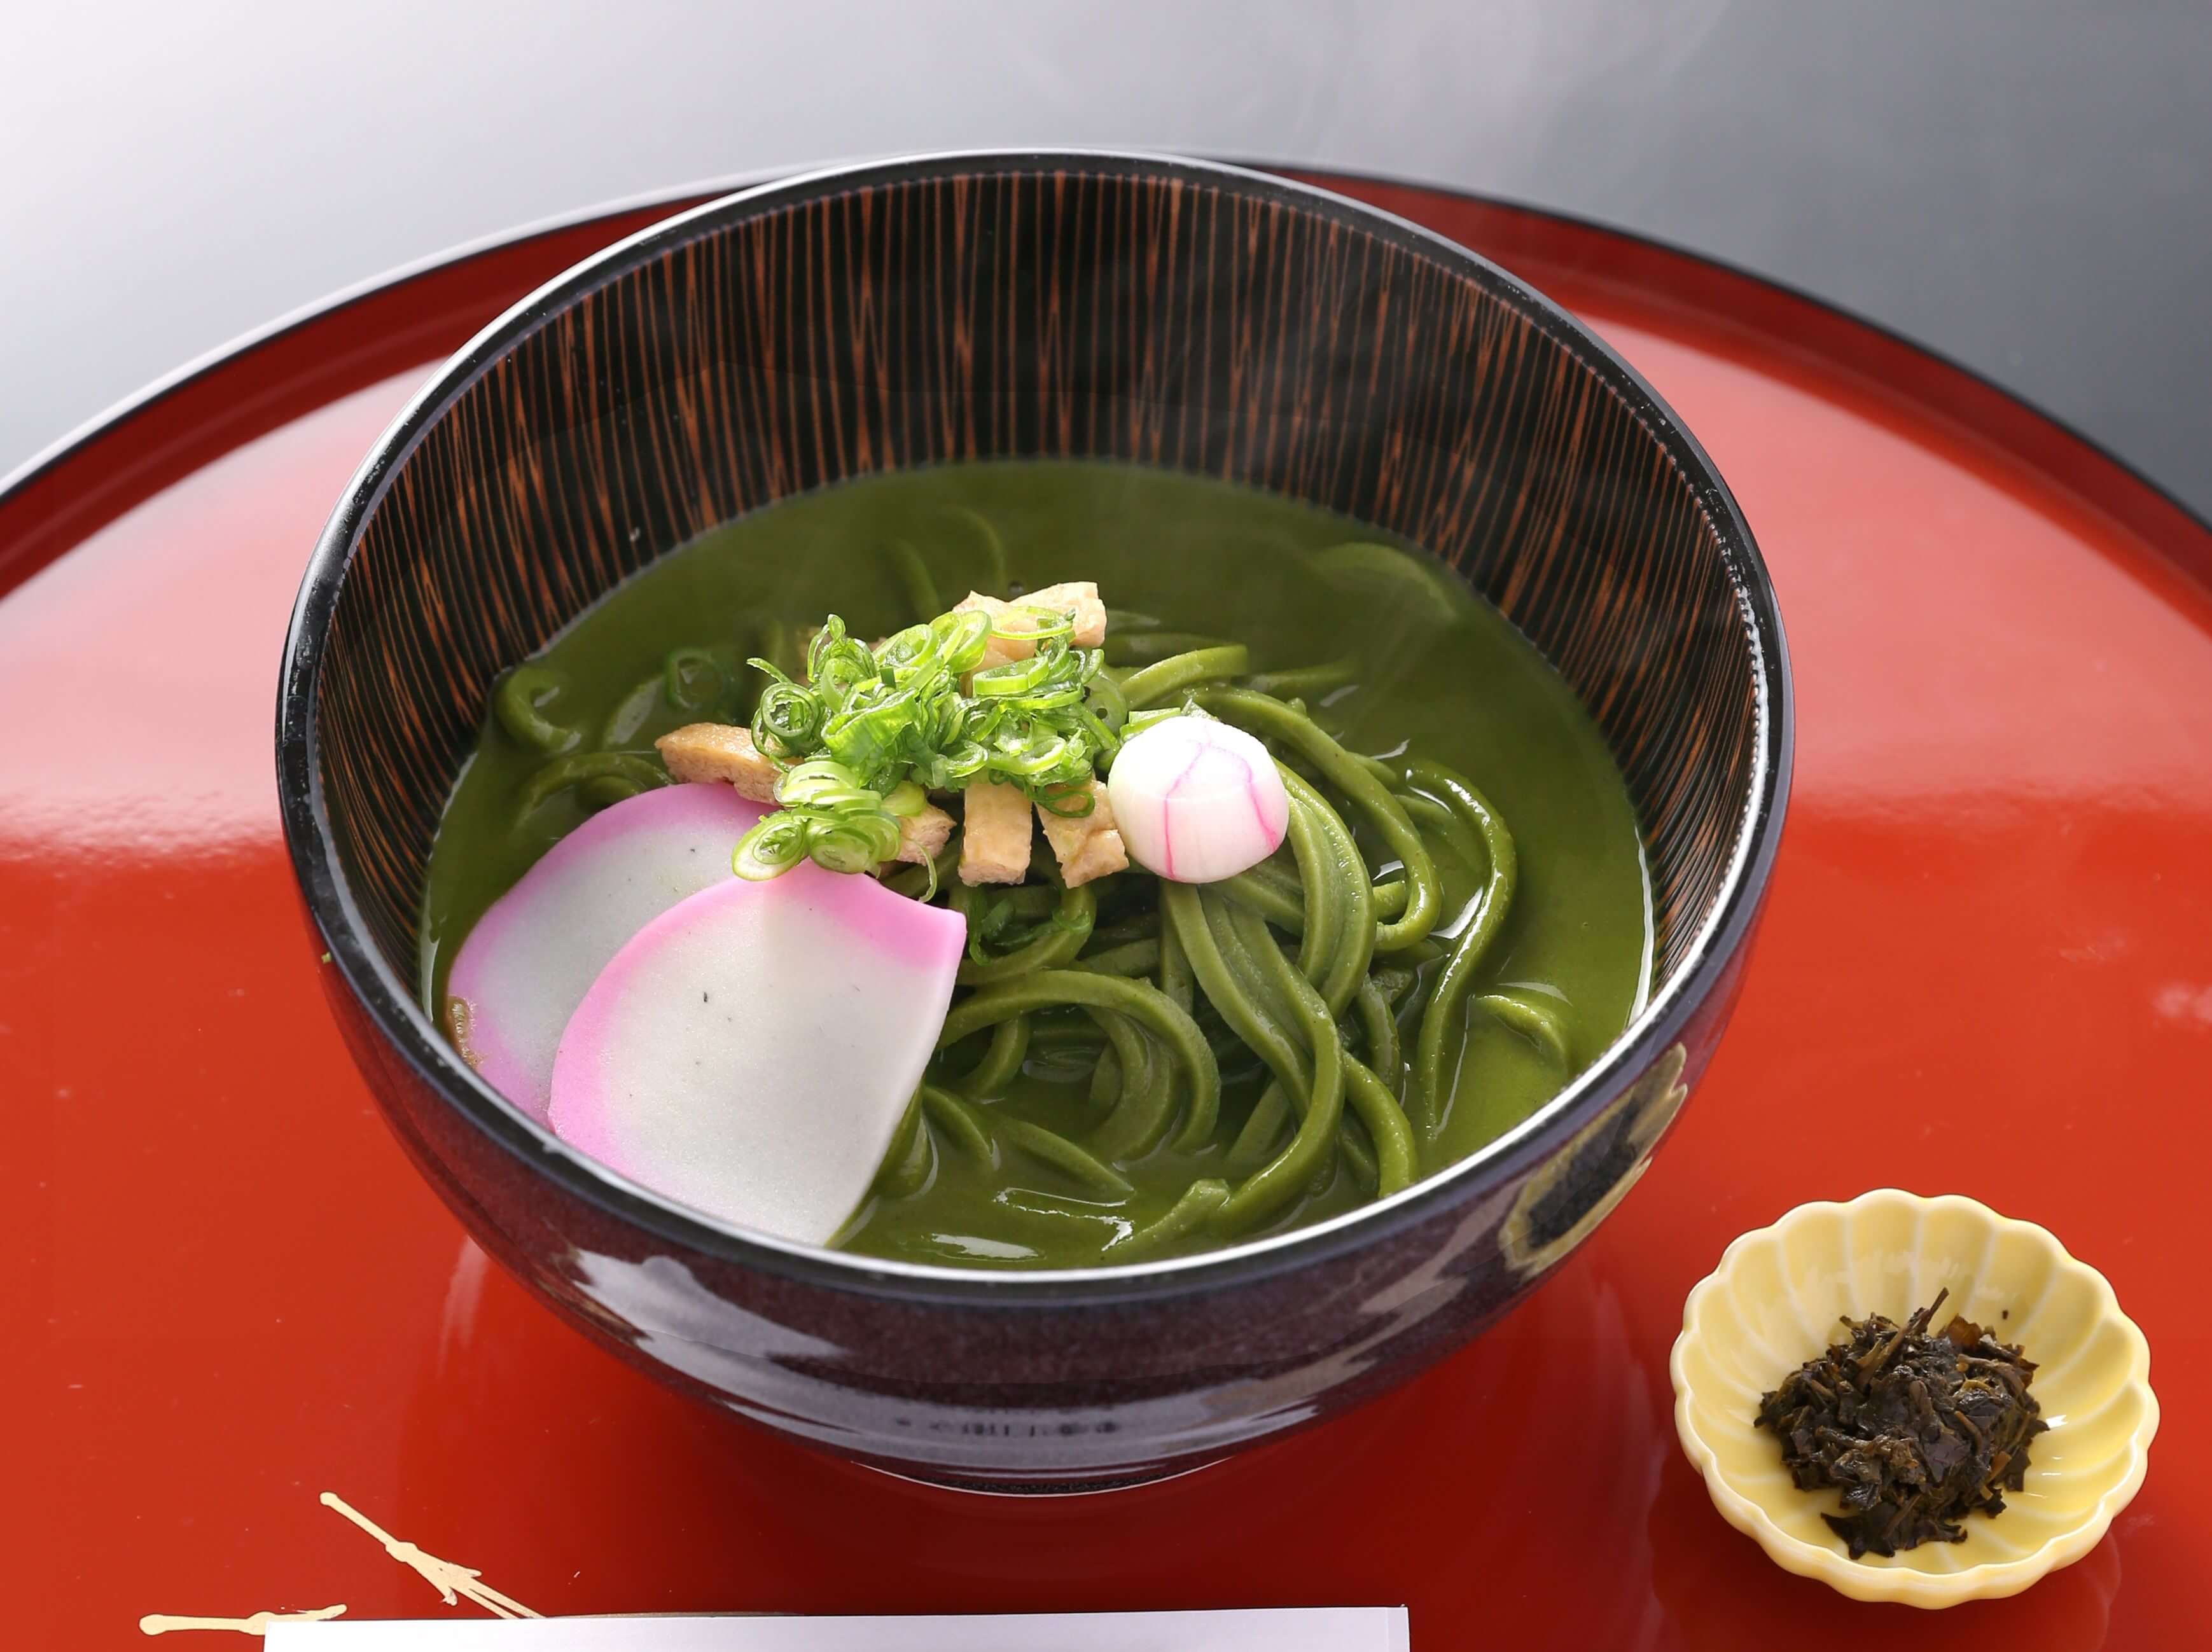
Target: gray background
pixel 2020 182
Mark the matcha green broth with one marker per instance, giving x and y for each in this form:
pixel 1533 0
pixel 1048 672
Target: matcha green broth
pixel 1023 1155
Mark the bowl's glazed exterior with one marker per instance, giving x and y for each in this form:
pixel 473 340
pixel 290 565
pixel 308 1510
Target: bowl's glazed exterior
pixel 1142 310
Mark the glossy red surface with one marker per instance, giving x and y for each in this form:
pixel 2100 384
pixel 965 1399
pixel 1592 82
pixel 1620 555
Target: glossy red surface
pixel 1986 967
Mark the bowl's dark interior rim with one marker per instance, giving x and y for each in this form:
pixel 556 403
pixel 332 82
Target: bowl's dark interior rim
pixel 391 1003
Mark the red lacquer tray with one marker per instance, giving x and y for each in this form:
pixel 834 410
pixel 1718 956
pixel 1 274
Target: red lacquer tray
pixel 1987 967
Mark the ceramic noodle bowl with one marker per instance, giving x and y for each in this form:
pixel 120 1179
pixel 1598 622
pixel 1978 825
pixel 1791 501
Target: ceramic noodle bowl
pixel 1162 312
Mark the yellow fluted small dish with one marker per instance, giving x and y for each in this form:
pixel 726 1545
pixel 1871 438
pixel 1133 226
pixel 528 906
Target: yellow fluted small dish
pixel 1780 1292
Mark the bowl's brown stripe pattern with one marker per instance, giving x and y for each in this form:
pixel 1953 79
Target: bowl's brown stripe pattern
pixel 1061 314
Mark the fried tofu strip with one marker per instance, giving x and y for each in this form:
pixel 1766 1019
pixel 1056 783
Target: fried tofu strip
pixel 994 835
pixel 1077 598
pixel 1087 845
pixel 922 836
pixel 720 751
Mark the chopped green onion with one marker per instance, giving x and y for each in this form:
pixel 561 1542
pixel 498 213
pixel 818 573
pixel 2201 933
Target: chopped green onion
pixel 773 848
pixel 817 781
pixel 1040 625
pixel 1107 702
pixel 1016 677
pixel 1068 802
pixel 787 721
pixel 871 730
pixel 853 843
pixel 964 639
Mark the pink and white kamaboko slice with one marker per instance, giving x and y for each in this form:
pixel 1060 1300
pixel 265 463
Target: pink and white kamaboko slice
pixel 528 963
pixel 752 1051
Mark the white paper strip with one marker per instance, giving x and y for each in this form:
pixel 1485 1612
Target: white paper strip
pixel 1331 1628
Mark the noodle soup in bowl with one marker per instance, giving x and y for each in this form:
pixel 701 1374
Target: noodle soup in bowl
pixel 1034 816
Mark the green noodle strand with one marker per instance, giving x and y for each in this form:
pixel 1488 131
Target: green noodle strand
pixel 919 883
pixel 1065 1064
pixel 515 704
pixel 908 1160
pixel 1343 875
pixel 957 1118
pixel 1135 958
pixel 1170 678
pixel 1067 1035
pixel 1286 912
pixel 1322 881
pixel 1395 981
pixel 1231 998
pixel 1306 680
pixel 606 790
pixel 1145 1106
pixel 1175 983
pixel 1242 940
pixel 683 674
pixel 1351 1147
pixel 1106 1078
pixel 1144 927
pixel 640 773
pixel 1277 896
pixel 1158 1014
pixel 1445 822
pixel 1030 900
pixel 1263 1127
pixel 1380 1028
pixel 1057 945
pixel 1264 715
pixel 1446 1010
pixel 1273 890
pixel 1002 1060
pixel 1050 1147
pixel 1124 1060
pixel 1339 903
pixel 1199 1204
pixel 1541 1026
pixel 1228 976
pixel 1267 1191
pixel 1375 1107
pixel 1388 1128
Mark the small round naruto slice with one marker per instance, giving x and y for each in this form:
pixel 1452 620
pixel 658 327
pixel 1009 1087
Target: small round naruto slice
pixel 1197 800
